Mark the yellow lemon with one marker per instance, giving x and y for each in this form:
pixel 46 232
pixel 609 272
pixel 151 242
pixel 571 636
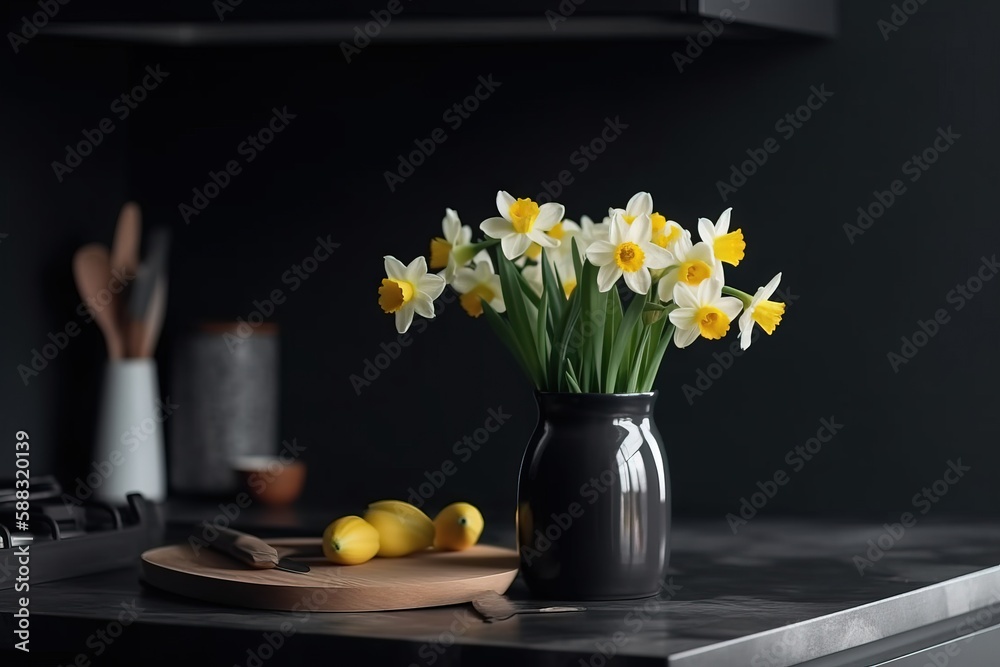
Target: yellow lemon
pixel 350 540
pixel 402 528
pixel 457 527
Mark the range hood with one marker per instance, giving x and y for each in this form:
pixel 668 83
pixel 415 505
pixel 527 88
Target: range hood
pixel 219 22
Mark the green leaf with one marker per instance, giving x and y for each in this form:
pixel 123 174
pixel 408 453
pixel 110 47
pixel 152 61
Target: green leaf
pixel 552 286
pixel 622 339
pixel 653 367
pixel 571 378
pixel 633 377
pixel 561 351
pixel 612 320
pixel 504 333
pixel 542 336
pixel 517 314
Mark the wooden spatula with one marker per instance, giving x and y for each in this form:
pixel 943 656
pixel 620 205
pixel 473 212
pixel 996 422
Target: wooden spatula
pixel 92 272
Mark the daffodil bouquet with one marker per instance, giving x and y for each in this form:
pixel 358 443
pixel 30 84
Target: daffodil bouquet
pixel 552 292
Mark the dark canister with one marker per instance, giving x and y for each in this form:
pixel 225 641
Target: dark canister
pixel 593 514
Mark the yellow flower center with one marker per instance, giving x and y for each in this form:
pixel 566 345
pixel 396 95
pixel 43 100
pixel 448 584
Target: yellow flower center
pixel 440 249
pixel 557 232
pixel 659 222
pixel 471 302
pixel 712 322
pixel 522 215
pixel 663 240
pixel 534 251
pixel 393 294
pixel 768 315
pixel 628 218
pixel 729 248
pixel 629 257
pixel 568 287
pixel 694 272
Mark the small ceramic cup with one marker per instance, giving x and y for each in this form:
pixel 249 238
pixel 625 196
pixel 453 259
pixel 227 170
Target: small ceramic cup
pixel 129 453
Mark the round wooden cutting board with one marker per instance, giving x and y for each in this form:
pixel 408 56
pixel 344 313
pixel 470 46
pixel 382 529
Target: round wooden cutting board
pixel 426 579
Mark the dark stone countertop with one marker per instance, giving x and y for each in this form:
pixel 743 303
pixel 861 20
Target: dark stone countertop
pixel 761 597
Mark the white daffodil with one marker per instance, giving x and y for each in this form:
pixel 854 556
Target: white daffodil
pixel 522 221
pixel 641 203
pixel 562 232
pixel 564 270
pixel 590 232
pixel 628 252
pixel 765 313
pixel 667 233
pixel 728 246
pixel 702 311
pixel 692 265
pixel 409 289
pixel 478 285
pixel 452 251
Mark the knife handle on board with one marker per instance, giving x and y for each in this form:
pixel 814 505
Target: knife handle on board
pixel 253 551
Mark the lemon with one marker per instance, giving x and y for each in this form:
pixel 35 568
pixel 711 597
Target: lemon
pixel 457 527
pixel 350 540
pixel 402 528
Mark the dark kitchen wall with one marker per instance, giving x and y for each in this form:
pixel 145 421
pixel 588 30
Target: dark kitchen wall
pixel 728 422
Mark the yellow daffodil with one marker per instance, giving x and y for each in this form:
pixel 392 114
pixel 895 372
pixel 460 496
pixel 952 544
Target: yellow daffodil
pixel 728 246
pixel 478 285
pixel 702 311
pixel 408 289
pixel 641 203
pixel 765 313
pixel 692 264
pixel 628 252
pixel 453 250
pixel 522 221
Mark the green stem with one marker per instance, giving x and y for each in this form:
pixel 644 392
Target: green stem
pixel 741 295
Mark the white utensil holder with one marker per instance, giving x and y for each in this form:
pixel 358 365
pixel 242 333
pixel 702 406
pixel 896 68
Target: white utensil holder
pixel 129 454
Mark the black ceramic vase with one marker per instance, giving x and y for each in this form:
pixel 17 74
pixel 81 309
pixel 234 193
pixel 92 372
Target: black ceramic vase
pixel 593 513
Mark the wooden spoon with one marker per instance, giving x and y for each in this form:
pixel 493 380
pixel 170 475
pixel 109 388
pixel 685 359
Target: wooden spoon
pixel 92 271
pixel 125 247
